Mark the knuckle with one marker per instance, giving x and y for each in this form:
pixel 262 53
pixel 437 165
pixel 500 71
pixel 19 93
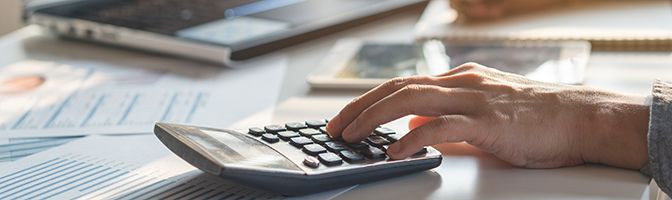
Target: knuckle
pixel 397 82
pixel 469 66
pixel 412 91
pixel 400 82
pixel 472 77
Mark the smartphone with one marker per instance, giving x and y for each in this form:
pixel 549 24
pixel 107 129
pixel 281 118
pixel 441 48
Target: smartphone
pixel 357 64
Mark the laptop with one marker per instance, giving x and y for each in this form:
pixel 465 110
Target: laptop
pixel 219 31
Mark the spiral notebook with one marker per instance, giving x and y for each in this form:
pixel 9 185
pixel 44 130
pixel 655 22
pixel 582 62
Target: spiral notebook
pixel 608 25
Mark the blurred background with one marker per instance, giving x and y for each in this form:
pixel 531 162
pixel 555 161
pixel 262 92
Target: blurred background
pixel 10 16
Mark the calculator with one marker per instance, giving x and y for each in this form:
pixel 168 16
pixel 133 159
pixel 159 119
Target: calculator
pixel 296 158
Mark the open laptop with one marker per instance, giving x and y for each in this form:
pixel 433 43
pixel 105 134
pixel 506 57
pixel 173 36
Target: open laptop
pixel 221 31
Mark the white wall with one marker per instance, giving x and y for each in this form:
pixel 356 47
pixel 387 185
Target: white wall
pixel 10 16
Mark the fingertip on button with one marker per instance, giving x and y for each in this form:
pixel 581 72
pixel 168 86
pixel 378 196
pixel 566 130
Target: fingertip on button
pixel 393 151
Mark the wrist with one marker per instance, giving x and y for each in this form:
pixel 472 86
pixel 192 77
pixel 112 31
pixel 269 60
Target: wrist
pixel 617 131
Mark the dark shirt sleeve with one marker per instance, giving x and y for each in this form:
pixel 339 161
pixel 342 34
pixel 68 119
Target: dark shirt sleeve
pixel 660 136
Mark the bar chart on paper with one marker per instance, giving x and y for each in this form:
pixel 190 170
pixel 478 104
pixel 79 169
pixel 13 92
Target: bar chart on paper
pixel 66 174
pixel 12 149
pixel 122 111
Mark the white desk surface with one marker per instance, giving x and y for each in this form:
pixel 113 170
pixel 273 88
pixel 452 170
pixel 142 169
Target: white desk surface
pixel 465 173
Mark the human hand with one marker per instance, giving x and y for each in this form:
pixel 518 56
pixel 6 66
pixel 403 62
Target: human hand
pixel 524 122
pixel 479 10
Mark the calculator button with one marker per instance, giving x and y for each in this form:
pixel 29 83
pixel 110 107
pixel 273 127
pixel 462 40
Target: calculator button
pixel 299 141
pixel 321 138
pixel 274 128
pixel 373 153
pixel 311 162
pixel 335 146
pixel 377 141
pixel 285 135
pixel 316 123
pixel 324 130
pixel 313 149
pixel 383 131
pixel 309 132
pixel 330 159
pixel 256 131
pixel 295 126
pixel 358 146
pixel 393 137
pixel 351 156
pixel 270 138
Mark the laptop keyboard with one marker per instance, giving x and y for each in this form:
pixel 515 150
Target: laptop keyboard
pixel 162 16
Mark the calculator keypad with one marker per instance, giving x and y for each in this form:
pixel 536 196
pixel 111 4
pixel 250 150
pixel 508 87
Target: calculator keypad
pixel 300 141
pixel 309 132
pixel 330 159
pixel 313 149
pixel 351 156
pixel 335 146
pixel 274 128
pixel 316 123
pixel 256 131
pixel 295 126
pixel 270 138
pixel 285 135
pixel 312 139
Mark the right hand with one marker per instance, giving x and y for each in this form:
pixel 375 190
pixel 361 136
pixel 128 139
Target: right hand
pixel 524 122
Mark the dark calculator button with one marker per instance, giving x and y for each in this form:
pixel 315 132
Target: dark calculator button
pixel 335 146
pixel 377 141
pixel 295 126
pixel 274 128
pixel 299 141
pixel 321 138
pixel 422 151
pixel 285 135
pixel 351 156
pixel 358 146
pixel 270 138
pixel 256 131
pixel 309 132
pixel 329 159
pixel 323 130
pixel 311 162
pixel 383 131
pixel 393 137
pixel 373 153
pixel 316 123
pixel 313 149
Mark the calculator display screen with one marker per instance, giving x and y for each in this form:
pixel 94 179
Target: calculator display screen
pixel 232 148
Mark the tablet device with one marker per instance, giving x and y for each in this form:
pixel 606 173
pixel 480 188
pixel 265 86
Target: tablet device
pixel 357 64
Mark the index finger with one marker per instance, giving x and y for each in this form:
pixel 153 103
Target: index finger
pixel 356 106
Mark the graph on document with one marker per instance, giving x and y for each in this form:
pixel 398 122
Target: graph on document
pixel 117 108
pixel 82 177
pixel 15 148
